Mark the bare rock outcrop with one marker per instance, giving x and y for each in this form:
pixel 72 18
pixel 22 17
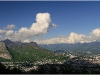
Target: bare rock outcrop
pixel 4 53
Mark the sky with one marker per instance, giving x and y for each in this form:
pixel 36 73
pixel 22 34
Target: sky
pixel 49 22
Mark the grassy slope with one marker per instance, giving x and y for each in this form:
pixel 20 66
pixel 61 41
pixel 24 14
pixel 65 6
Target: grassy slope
pixel 29 52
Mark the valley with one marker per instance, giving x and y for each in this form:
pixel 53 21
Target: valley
pixel 30 56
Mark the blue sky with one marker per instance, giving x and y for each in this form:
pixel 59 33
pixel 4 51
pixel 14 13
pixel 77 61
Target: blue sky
pixel 80 17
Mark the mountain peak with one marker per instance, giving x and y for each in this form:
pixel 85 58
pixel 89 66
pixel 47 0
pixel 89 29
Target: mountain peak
pixel 7 41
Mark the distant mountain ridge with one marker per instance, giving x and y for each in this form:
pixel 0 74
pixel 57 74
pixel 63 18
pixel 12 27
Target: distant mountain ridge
pixel 7 41
pixel 12 44
pixel 92 46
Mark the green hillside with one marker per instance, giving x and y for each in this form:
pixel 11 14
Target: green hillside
pixel 29 51
pixel 33 53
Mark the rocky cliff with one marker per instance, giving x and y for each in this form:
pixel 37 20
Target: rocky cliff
pixel 4 53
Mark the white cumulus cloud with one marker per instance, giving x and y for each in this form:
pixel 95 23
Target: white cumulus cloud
pixel 26 41
pixel 10 26
pixel 2 31
pixel 9 33
pixel 42 26
pixel 73 38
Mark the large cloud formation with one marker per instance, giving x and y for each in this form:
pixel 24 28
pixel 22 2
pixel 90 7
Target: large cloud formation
pixel 42 26
pixel 73 38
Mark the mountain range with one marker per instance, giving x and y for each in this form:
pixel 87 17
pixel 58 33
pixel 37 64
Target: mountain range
pixel 27 51
pixel 77 47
